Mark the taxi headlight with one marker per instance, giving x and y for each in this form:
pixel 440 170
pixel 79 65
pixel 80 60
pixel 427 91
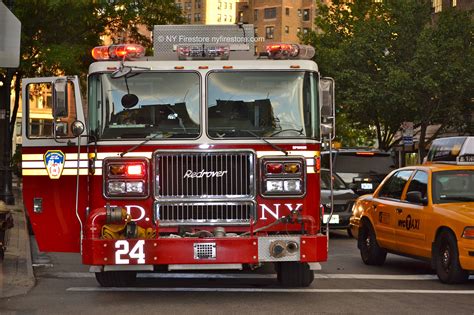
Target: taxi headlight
pixel 468 232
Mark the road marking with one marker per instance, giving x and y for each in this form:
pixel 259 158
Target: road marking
pixel 72 275
pixel 244 290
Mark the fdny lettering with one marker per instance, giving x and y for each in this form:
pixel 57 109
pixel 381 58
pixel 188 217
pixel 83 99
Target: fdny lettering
pixel 275 212
pixel 409 223
pixel 203 173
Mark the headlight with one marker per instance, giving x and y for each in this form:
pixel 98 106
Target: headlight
pixel 284 186
pixel 116 188
pixel 274 186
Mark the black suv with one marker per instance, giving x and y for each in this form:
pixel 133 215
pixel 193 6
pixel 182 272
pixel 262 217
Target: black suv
pixel 362 170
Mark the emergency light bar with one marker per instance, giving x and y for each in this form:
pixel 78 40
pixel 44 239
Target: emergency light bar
pixel 289 51
pixel 203 52
pixel 118 52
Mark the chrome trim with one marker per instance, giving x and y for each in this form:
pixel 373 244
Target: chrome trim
pixel 199 196
pixel 202 218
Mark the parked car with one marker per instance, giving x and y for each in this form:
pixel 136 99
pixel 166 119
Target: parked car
pixel 344 199
pixel 424 212
pixel 361 169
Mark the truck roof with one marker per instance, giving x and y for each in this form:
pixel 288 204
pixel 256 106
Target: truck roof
pixel 169 65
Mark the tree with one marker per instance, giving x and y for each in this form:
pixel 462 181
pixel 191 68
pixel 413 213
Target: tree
pixel 372 49
pixel 442 75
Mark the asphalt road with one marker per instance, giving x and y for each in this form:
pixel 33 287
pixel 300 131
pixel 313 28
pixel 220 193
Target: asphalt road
pixel 344 285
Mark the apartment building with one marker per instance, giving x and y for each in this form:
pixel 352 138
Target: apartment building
pixel 208 11
pixel 279 20
pixel 440 5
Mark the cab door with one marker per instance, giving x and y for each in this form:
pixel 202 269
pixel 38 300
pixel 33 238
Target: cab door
pixel 386 205
pixel 49 161
pixel 413 219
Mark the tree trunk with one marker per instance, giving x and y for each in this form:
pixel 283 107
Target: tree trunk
pixel 422 142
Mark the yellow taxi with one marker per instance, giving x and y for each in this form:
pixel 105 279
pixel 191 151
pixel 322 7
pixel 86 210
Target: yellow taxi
pixel 425 212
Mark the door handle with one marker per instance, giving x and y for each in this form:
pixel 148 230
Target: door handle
pixel 399 210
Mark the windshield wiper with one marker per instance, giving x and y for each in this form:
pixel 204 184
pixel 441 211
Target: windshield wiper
pixel 456 198
pixel 140 144
pixel 266 141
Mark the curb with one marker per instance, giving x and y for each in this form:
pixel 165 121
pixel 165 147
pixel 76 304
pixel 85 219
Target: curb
pixel 16 270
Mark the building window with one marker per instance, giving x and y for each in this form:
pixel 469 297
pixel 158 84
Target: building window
pixel 256 31
pixel 219 5
pixel 225 5
pixel 437 5
pixel 218 18
pixel 269 31
pixel 179 5
pixel 230 18
pixel 188 5
pixel 306 15
pixel 287 29
pixel 270 13
pixel 454 3
pixel 287 11
pixel 197 5
pixel 197 17
pixel 230 5
pixel 241 16
pixel 299 12
pixel 188 18
pixel 225 18
pixel 305 30
pixel 255 14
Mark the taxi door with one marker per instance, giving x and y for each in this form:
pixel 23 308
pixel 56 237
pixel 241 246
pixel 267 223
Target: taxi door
pixel 385 205
pixel 413 218
pixel 49 161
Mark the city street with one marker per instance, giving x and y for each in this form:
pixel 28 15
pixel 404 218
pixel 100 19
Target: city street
pixel 344 285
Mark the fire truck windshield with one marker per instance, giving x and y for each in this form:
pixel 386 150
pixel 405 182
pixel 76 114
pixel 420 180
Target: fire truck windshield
pixel 243 104
pixel 168 105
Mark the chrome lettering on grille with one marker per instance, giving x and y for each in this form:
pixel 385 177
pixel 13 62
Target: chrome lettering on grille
pixel 203 173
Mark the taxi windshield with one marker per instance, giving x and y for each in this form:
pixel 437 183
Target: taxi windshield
pixel 143 105
pixel 453 186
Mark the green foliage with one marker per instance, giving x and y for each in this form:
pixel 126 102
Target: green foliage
pixel 58 35
pixel 389 61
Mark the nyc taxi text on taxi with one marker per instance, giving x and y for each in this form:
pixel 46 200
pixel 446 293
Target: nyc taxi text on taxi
pixel 424 212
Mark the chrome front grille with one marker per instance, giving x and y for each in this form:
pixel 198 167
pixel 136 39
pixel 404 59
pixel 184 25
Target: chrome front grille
pixel 205 174
pixel 203 213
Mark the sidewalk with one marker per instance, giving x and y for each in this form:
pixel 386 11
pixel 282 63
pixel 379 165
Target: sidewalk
pixel 16 271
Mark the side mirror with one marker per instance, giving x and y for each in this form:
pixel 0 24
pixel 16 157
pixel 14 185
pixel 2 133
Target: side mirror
pixel 60 98
pixel 328 112
pixel 77 128
pixel 416 197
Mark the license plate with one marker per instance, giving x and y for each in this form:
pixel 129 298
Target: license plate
pixel 334 219
pixel 366 186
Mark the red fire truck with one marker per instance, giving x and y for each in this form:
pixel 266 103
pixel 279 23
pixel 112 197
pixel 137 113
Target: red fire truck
pixel 203 157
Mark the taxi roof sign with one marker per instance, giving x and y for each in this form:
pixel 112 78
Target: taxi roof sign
pixel 453 150
pixel 10 34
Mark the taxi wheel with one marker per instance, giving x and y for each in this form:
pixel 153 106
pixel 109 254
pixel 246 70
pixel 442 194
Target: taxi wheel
pixel 447 260
pixel 116 278
pixel 370 251
pixel 294 274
